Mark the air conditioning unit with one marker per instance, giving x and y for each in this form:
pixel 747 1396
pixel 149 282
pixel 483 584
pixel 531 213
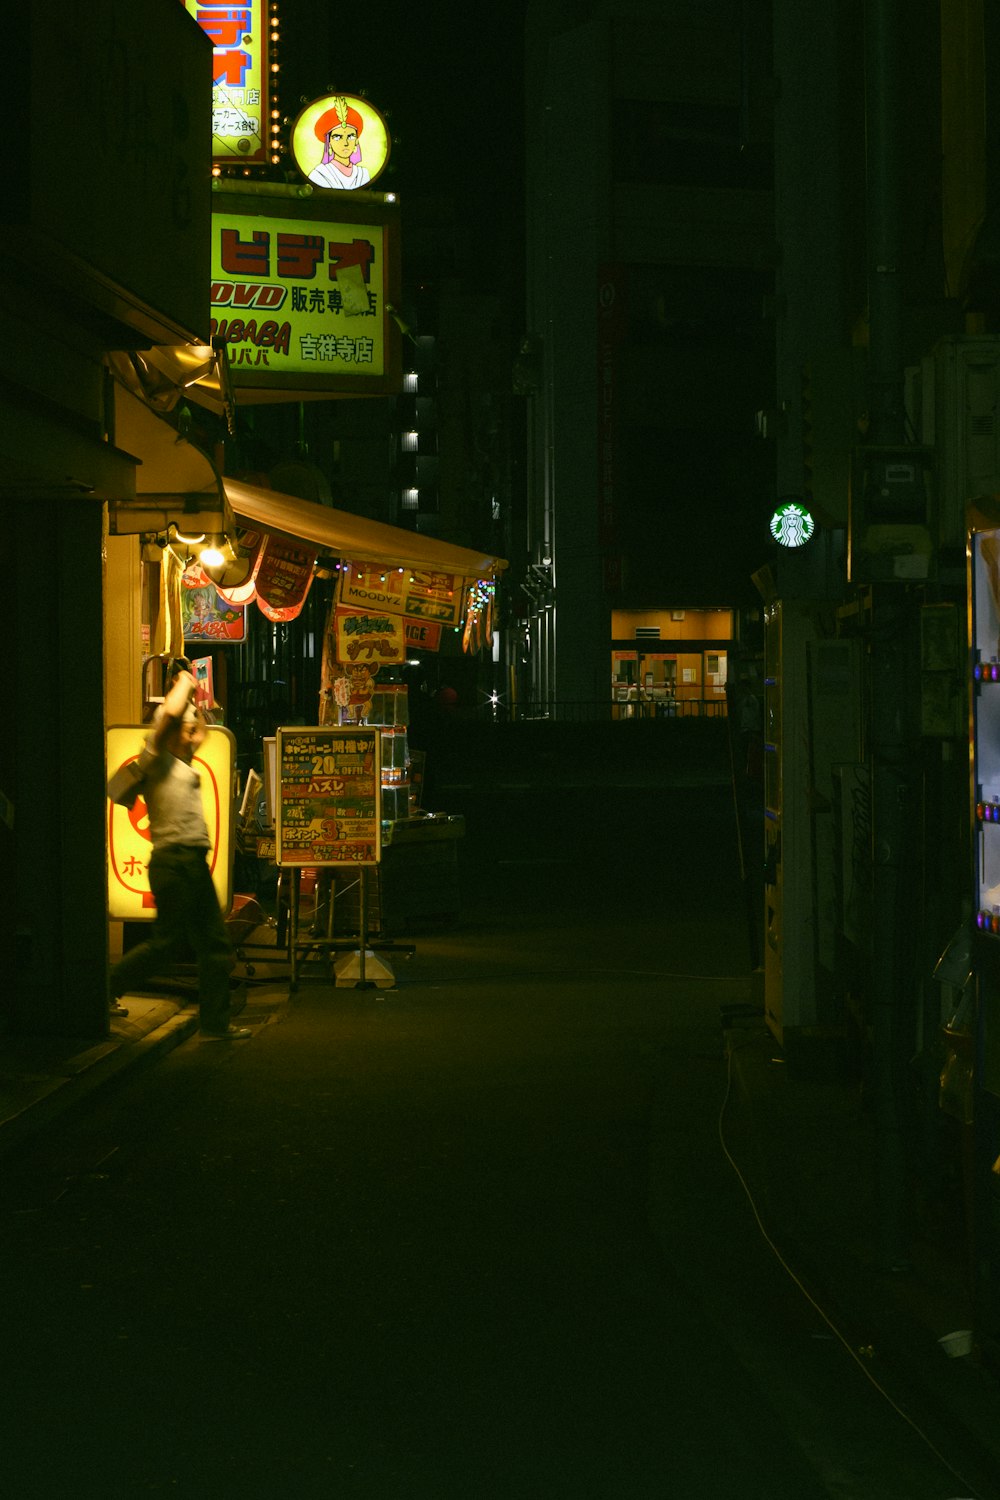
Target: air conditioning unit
pixel 952 400
pixel 892 515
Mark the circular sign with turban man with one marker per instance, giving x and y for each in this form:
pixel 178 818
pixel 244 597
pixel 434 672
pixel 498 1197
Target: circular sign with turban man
pixel 340 142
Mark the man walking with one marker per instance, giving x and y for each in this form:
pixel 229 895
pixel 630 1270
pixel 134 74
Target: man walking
pixel 187 908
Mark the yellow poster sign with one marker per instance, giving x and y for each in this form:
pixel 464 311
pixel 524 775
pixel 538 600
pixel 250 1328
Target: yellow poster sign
pixel 240 77
pixel 303 289
pixel 329 809
pixel 299 297
pixel 369 637
pixel 129 842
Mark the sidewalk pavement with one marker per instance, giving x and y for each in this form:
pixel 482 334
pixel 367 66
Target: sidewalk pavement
pixel 804 1149
pixel 44 1077
pixel 801 1148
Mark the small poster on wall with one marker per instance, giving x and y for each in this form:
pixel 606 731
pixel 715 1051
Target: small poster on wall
pixel 206 616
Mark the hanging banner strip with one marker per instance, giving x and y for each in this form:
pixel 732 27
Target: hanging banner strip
pixel 283 577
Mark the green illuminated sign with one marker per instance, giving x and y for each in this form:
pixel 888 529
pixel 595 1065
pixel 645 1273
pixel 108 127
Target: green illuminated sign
pixel 791 524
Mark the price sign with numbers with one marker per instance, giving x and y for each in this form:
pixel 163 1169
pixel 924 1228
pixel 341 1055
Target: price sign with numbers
pixel 329 808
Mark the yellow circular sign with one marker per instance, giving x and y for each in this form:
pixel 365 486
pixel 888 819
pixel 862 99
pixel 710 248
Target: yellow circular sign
pixel 340 141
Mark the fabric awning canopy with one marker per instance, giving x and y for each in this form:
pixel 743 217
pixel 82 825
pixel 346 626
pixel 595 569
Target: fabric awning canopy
pixel 174 481
pixel 343 535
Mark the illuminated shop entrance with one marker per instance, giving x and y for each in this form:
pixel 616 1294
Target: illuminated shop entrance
pixel 669 662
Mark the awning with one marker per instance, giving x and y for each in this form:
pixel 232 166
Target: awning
pixel 165 374
pixel 343 535
pixel 174 480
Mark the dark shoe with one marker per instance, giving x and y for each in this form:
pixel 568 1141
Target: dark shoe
pixel 231 1034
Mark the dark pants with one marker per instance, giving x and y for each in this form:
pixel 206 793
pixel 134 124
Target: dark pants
pixel 187 918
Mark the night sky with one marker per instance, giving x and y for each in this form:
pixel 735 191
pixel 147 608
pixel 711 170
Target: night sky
pixel 447 77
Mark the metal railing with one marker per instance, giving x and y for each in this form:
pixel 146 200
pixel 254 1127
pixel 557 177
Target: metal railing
pixel 582 711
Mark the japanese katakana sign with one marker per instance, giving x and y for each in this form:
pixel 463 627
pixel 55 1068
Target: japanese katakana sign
pixel 419 593
pixel 368 637
pixel 240 77
pixel 329 806
pixel 301 293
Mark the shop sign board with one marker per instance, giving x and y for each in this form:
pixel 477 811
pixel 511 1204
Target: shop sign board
pixel 329 803
pixel 240 77
pixel 421 635
pixel 368 637
pixel 129 842
pixel 300 293
pixel 340 142
pixel 418 593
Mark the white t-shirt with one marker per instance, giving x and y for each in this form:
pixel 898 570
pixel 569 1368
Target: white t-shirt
pixel 172 791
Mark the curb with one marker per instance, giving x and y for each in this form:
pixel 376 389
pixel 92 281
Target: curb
pixel 73 1090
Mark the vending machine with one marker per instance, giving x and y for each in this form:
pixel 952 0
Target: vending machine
pixel 984 631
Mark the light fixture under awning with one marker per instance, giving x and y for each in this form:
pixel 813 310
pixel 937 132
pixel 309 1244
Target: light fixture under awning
pixel 344 535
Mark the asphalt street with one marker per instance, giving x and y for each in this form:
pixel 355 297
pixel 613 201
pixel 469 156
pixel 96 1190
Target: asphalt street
pixel 476 1234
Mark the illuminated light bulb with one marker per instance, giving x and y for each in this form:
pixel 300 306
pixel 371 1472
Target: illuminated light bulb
pixel 212 557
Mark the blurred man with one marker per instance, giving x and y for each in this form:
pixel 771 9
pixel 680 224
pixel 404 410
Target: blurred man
pixel 187 908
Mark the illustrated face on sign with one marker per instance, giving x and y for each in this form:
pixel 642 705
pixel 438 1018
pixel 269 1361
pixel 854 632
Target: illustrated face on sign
pixel 340 141
pixel 341 144
pixel 340 130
